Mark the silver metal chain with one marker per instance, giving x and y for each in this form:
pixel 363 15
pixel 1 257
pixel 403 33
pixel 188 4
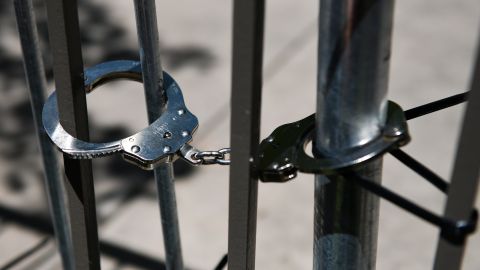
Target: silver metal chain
pixel 213 157
pixel 197 157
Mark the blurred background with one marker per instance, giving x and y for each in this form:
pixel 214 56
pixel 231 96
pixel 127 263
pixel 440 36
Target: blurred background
pixel 433 48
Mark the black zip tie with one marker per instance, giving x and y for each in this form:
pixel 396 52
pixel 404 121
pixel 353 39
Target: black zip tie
pixel 436 106
pixel 222 263
pixel 455 231
pixel 421 169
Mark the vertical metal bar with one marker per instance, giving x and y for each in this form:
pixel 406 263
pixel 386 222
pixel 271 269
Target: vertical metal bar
pixel 36 81
pixel 354 53
pixel 464 184
pixel 64 33
pixel 147 31
pixel 248 25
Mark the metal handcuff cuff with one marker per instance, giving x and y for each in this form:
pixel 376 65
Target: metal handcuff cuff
pixel 163 141
pixel 282 153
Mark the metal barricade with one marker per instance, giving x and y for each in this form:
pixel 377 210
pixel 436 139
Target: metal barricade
pixel 353 66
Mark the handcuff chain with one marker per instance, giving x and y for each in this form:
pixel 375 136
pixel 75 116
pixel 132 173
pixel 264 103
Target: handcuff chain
pixel 197 157
pixel 220 157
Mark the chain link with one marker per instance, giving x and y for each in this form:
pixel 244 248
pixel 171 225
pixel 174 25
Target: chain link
pixel 220 157
pixel 197 157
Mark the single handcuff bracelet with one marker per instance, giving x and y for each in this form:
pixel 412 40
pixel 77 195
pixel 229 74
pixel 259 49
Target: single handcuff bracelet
pixel 153 145
pixel 282 153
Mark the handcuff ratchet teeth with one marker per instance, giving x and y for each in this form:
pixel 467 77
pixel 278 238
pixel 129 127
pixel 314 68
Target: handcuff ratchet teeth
pixel 153 145
pixel 282 153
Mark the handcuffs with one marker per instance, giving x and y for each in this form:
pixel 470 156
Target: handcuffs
pixel 279 158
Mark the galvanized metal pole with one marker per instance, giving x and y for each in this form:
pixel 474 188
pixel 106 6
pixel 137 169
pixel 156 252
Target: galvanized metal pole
pixel 248 24
pixel 354 53
pixel 464 184
pixel 64 33
pixel 147 31
pixel 35 75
